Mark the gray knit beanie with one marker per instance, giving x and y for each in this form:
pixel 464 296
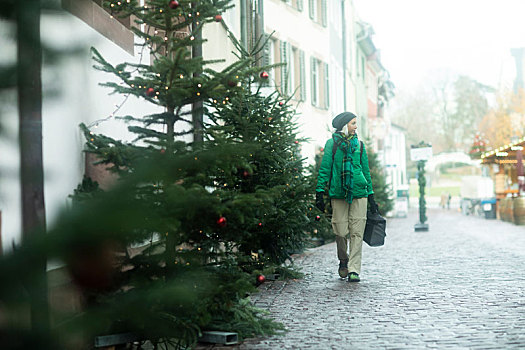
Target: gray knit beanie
pixel 342 119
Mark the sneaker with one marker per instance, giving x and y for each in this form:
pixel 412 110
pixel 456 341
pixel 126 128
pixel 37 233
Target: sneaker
pixel 343 268
pixel 353 277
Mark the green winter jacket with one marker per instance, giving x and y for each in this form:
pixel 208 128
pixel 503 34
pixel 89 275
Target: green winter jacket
pixel 361 173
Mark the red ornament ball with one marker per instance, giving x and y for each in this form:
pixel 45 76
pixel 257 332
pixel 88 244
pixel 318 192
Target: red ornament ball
pixel 264 75
pixel 150 92
pixel 162 151
pixel 221 222
pixel 173 4
pixel 281 103
pixel 261 279
pixel 245 174
pixel 218 18
pixel 296 142
pixel 318 217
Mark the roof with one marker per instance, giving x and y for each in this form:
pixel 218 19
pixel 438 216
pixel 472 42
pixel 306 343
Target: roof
pixel 503 155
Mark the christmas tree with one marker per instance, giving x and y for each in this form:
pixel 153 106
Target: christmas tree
pixel 324 232
pixel 154 255
pixel 184 191
pixel 279 224
pixel 382 190
pixel 479 146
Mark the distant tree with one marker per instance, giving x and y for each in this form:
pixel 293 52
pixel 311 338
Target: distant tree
pixel 506 121
pixel 471 106
pixel 445 111
pixel 415 112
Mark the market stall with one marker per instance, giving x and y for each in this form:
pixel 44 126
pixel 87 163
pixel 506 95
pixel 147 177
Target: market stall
pixel 505 166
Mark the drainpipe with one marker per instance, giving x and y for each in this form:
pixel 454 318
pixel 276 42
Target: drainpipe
pixel 244 39
pixel 259 28
pixel 343 27
pixel 260 19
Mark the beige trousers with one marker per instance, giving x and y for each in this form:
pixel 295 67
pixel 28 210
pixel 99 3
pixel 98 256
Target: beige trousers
pixel 348 223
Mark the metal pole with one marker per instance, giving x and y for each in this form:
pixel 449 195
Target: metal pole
pixel 244 35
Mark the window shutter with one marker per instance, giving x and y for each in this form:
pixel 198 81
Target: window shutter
pixel 266 51
pixel 311 9
pixel 326 87
pixel 302 76
pixel 289 67
pixel 284 69
pixel 313 66
pixel 299 5
pixel 324 14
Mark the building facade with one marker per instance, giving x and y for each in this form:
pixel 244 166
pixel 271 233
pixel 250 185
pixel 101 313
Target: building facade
pixel 327 71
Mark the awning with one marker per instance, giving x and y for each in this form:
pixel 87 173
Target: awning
pixel 503 155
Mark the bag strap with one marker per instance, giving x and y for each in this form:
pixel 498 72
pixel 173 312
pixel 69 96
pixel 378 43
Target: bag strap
pixel 334 149
pixel 361 154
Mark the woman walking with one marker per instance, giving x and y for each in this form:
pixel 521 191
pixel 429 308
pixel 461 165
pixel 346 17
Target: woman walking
pixel 345 172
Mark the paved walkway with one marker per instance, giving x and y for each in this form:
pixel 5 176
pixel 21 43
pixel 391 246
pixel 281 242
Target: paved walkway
pixel 459 286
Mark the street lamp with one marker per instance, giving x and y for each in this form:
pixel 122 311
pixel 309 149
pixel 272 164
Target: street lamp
pixel 420 153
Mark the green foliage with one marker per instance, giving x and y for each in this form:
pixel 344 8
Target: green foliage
pixel 277 226
pixel 167 252
pixel 322 232
pixel 382 190
pixel 86 190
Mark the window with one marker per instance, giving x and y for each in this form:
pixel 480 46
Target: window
pixel 302 76
pixel 289 78
pixel 269 59
pixel 326 95
pixel 314 81
pixel 318 11
pixel 296 4
pixel 320 83
pixel 297 74
pixel 286 71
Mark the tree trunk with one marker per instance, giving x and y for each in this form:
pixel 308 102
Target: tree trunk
pixel 30 138
pixel 197 107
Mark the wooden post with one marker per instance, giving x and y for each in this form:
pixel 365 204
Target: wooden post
pixel 1 248
pixel 29 86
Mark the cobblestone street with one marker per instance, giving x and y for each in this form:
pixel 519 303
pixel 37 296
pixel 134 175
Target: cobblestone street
pixel 460 286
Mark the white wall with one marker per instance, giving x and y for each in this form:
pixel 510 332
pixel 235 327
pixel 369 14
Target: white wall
pixel 218 45
pixel 395 157
pixel 80 99
pixel 296 27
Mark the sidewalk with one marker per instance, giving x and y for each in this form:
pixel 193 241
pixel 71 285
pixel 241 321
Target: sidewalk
pixel 459 286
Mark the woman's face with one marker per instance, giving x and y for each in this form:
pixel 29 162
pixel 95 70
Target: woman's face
pixel 352 126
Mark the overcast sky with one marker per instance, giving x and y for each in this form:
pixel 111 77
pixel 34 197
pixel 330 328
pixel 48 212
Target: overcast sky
pixel 471 37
